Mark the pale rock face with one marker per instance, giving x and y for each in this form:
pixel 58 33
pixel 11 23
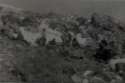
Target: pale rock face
pixel 50 34
pixel 76 79
pixel 32 37
pixel 85 81
pixel 86 73
pixel 114 61
pixel 29 37
pixel 15 36
pixel 81 40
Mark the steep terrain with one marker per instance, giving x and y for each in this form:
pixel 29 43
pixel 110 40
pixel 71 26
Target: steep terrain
pixel 98 58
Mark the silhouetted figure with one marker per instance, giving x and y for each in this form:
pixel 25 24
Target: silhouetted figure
pixel 66 37
pixel 43 39
pixel 104 51
pixel 75 43
pixel 52 42
pixel 102 45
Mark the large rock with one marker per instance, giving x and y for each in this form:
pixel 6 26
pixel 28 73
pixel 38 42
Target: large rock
pixel 118 79
pixel 83 41
pixel 96 80
pixel 112 62
pixel 50 33
pixel 85 81
pixel 31 37
pixel 11 34
pixel 104 76
pixel 119 66
pixel 113 81
pixel 86 73
pixel 28 36
pixel 122 26
pixel 76 79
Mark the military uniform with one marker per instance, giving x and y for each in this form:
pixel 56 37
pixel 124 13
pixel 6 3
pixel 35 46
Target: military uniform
pixel 75 43
pixel 66 37
pixel 43 39
pixel 52 42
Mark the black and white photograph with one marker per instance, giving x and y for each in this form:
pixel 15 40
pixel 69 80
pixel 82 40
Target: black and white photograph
pixel 62 41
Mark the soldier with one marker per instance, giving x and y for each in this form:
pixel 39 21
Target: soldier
pixel 43 39
pixel 66 37
pixel 63 38
pixel 102 44
pixel 75 43
pixel 52 42
pixel 104 51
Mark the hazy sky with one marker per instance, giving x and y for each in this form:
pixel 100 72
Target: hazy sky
pixel 78 7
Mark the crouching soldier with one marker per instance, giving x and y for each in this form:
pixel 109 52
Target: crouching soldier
pixel 52 42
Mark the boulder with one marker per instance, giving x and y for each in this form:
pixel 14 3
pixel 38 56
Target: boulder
pixel 86 73
pixel 85 81
pixel 11 34
pixel 15 35
pixel 76 79
pixel 118 79
pixel 104 76
pixel 96 80
pixel 50 33
pixel 81 41
pixel 112 62
pixel 28 36
pixel 113 81
pixel 119 66
pixel 122 26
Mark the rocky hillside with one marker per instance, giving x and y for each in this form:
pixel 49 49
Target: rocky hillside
pixel 97 58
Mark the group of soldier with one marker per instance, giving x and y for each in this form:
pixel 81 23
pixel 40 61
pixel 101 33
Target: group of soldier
pixel 67 38
pixel 105 48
